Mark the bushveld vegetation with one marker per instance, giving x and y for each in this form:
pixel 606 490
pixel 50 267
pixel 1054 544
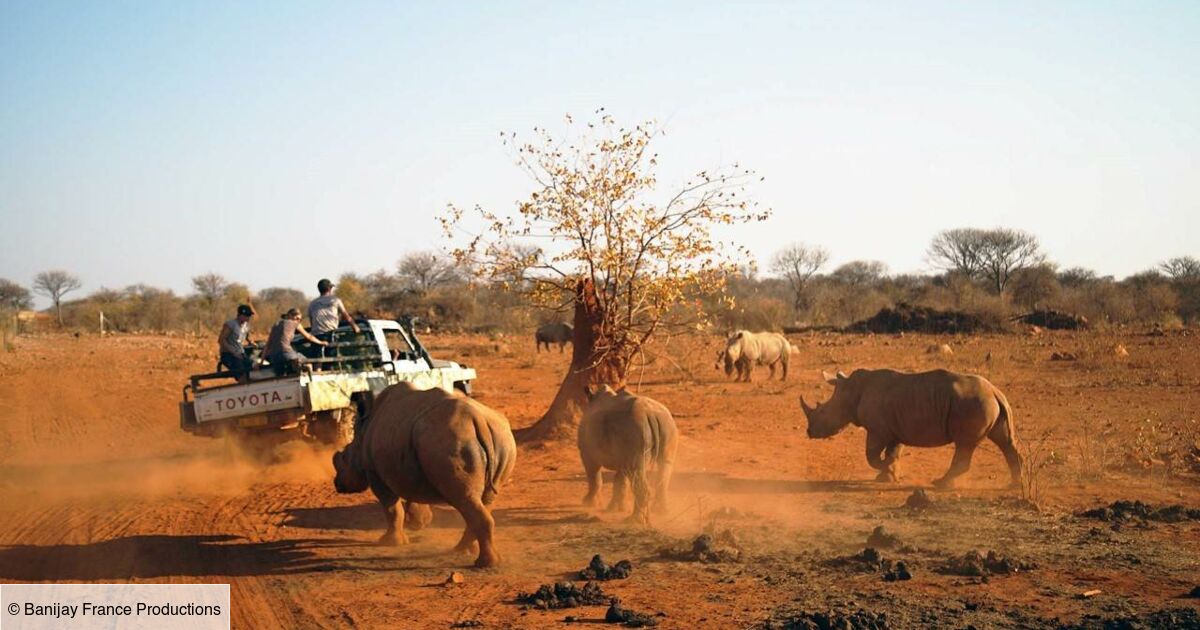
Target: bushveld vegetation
pixel 444 295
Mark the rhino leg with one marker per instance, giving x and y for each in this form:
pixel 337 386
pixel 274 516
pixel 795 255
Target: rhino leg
pixel 960 464
pixel 876 445
pixel 784 361
pixel 1004 437
pixel 480 520
pixel 618 494
pixel 662 480
pixel 595 481
pixel 395 517
pixel 641 497
pixel 891 457
pixel 417 516
pixel 772 374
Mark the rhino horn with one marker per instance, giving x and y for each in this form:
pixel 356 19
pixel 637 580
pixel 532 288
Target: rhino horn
pixel 807 410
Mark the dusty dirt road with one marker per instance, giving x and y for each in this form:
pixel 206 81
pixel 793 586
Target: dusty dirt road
pixel 97 483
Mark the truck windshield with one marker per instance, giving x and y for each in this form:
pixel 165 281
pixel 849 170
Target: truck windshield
pixel 398 345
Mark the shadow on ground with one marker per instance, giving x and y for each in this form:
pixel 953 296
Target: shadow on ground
pixel 163 555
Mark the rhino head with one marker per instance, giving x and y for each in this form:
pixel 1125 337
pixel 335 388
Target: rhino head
pixel 350 476
pixel 828 418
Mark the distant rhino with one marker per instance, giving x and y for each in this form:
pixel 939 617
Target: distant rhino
pixel 558 333
pixel 431 446
pixel 927 409
pixel 627 433
pixel 745 349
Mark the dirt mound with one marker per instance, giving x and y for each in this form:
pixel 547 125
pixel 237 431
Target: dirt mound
pixel 1054 320
pixel 907 318
pixel 1127 510
pixel 597 569
pixel 626 617
pixel 976 564
pixel 1176 619
pixel 829 620
pixel 564 595
pixel 918 500
pixel 707 548
pixel 882 538
pixel 868 559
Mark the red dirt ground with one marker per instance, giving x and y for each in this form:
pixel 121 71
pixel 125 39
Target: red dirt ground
pixel 97 483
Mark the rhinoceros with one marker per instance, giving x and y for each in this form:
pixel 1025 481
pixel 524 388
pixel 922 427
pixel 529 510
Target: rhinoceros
pixel 745 349
pixel 626 433
pixel 558 333
pixel 927 409
pixel 426 447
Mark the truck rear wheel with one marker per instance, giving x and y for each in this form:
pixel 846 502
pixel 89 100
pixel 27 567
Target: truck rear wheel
pixel 334 428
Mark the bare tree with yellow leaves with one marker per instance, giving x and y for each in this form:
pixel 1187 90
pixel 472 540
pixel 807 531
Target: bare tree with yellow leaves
pixel 596 234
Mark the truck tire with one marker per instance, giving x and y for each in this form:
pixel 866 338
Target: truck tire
pixel 333 428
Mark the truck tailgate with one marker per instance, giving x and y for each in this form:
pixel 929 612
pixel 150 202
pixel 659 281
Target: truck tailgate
pixel 240 400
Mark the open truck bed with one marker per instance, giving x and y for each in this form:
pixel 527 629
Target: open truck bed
pixel 334 387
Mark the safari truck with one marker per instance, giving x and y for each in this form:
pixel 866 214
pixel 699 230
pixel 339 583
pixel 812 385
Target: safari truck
pixel 334 386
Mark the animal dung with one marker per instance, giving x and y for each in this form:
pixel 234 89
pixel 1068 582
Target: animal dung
pixel 597 569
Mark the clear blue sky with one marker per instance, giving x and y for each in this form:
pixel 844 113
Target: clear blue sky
pixel 276 143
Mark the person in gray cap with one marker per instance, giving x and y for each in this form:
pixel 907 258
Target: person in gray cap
pixel 232 340
pixel 327 311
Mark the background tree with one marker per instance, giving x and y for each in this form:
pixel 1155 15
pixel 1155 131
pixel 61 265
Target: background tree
pixel 424 271
pixel 1033 287
pixel 1076 277
pixel 14 296
pixel 989 256
pixel 1181 268
pixel 210 288
pixel 860 273
pixel 632 264
pixel 958 251
pixel 54 284
pixel 1005 252
pixel 798 263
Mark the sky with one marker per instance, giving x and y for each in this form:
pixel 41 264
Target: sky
pixel 279 142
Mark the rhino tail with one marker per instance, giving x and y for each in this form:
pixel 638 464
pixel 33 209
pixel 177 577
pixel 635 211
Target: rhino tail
pixel 1006 417
pixel 491 468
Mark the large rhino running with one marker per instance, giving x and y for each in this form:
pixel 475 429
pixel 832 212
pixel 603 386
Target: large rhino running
pixel 926 409
pixel 431 447
pixel 745 349
pixel 627 433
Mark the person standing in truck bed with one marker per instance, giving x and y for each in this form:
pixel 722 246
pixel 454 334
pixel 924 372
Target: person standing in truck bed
pixel 279 351
pixel 327 311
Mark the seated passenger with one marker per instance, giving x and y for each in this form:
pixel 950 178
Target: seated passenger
pixel 232 340
pixel 279 351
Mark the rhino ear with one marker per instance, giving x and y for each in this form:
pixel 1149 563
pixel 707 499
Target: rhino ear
pixel 591 390
pixel 841 375
pixel 832 379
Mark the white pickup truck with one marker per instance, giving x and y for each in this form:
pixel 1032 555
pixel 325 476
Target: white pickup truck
pixel 335 385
